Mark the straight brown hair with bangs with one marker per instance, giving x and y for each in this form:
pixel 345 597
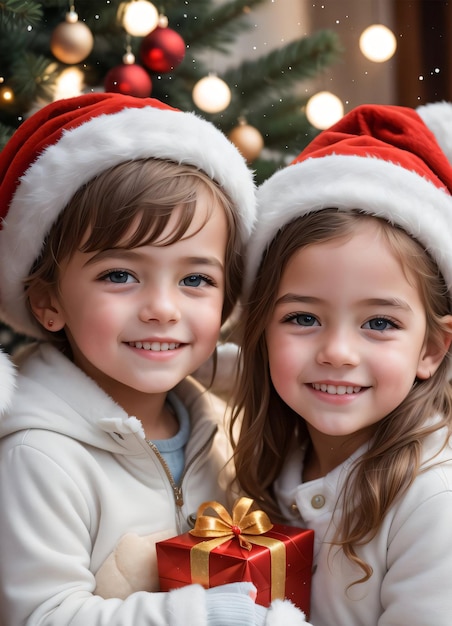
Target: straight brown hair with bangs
pixel 143 193
pixel 268 426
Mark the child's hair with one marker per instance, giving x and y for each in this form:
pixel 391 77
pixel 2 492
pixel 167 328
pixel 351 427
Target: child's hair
pixel 269 426
pixel 141 193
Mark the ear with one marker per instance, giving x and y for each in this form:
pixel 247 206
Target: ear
pixel 46 308
pixel 435 350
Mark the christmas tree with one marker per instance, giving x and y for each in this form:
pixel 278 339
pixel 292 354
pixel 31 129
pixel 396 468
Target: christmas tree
pixel 40 41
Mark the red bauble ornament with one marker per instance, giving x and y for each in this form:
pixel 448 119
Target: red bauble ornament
pixel 162 50
pixel 130 80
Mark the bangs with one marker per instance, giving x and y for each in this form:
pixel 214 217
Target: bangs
pixel 141 225
pixel 130 205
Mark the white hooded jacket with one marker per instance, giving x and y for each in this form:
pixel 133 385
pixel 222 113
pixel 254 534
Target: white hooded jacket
pixel 77 476
pixel 84 498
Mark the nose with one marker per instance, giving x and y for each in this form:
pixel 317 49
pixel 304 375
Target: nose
pixel 339 348
pixel 160 304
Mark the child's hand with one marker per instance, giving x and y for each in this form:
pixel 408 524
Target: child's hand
pixel 233 605
pixel 242 587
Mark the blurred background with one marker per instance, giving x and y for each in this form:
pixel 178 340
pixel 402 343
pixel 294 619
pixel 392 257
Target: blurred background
pixel 269 73
pixel 257 63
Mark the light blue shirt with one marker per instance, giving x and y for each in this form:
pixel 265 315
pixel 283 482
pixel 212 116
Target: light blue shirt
pixel 173 449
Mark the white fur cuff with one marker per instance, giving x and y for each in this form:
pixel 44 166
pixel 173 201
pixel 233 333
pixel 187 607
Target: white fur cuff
pixel 284 613
pixel 187 606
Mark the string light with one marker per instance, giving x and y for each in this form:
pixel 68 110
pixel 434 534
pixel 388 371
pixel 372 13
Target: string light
pixel 69 83
pixel 138 17
pixel 211 94
pixel 324 109
pixel 6 94
pixel 378 43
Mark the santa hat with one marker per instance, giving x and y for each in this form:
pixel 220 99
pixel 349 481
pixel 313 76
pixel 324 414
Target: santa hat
pixel 383 160
pixel 69 142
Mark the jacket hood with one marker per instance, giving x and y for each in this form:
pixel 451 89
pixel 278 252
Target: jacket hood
pixel 53 394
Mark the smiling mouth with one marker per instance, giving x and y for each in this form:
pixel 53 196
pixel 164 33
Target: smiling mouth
pixel 336 390
pixel 154 346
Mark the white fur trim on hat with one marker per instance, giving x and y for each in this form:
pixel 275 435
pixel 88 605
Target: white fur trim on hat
pixel 7 381
pixel 375 186
pixel 86 151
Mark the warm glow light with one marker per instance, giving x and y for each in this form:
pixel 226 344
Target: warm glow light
pixel 7 94
pixel 69 83
pixel 324 109
pixel 139 17
pixel 211 94
pixel 378 43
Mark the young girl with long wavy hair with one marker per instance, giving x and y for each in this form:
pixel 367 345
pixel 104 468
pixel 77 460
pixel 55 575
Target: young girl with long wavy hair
pixel 344 404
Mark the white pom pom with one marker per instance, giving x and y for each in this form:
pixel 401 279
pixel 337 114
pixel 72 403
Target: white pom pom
pixel 7 382
pixel 437 116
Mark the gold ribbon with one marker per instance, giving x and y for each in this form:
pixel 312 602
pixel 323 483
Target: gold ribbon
pixel 248 528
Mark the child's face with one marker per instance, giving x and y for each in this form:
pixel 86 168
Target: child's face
pixel 142 319
pixel 346 337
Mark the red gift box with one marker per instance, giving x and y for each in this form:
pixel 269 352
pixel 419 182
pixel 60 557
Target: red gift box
pixel 277 559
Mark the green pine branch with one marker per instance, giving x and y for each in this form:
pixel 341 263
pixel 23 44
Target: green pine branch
pixel 34 77
pixel 218 27
pixel 296 61
pixel 14 13
pixel 6 133
pixel 283 124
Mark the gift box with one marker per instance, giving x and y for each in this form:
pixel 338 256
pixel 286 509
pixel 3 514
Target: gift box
pixel 276 558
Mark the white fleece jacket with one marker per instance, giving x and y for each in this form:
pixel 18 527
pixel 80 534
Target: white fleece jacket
pixel 410 555
pixel 83 499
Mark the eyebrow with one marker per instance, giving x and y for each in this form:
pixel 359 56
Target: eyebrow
pixel 124 254
pixel 292 298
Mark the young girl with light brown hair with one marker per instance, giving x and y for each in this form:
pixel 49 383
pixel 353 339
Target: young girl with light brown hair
pixel 344 401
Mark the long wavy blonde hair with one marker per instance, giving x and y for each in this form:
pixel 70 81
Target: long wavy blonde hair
pixel 268 426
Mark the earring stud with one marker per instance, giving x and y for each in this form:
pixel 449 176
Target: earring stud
pixel 50 323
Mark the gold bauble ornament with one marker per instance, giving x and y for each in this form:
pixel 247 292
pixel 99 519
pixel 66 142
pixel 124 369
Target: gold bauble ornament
pixel 247 140
pixel 71 41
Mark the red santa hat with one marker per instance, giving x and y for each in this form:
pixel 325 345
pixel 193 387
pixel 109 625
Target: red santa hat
pixel 387 161
pixel 69 142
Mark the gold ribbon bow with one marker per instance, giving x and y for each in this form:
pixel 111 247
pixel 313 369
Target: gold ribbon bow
pixel 248 528
pixel 241 523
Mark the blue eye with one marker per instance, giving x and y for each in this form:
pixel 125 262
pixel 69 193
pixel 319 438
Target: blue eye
pixel 196 280
pixel 302 319
pixel 118 277
pixel 379 323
